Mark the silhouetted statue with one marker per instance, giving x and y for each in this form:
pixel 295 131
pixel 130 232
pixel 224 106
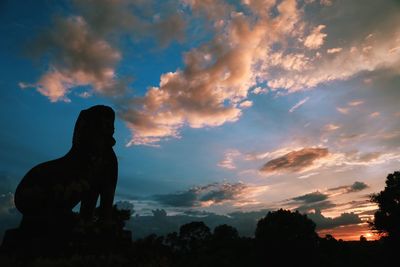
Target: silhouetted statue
pixel 49 191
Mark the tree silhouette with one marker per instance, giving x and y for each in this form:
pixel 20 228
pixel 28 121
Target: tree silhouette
pixel 283 232
pixel 193 235
pixel 225 232
pixel 284 226
pixel 387 217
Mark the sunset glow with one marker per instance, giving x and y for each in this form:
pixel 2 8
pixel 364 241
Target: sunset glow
pixel 351 233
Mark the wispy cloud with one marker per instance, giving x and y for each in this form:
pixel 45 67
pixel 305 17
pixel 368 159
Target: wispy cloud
pixel 355 103
pixel 299 104
pixel 331 127
pixel 228 161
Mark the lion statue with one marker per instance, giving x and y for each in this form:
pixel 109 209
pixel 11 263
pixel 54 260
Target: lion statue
pixel 89 171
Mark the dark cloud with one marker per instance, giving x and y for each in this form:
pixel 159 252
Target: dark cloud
pixel 196 196
pixel 311 201
pixel 311 197
pixel 358 186
pixel 323 222
pixel 180 199
pixel 9 215
pixel 355 187
pixel 224 192
pixel 295 161
pixel 321 205
pixel 6 202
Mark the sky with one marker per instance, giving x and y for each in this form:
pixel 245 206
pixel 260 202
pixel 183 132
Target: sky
pixel 223 107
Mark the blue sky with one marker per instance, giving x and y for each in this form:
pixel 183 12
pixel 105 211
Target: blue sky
pixel 240 105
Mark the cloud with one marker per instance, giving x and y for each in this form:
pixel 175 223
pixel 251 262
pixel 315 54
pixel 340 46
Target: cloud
pixel 334 50
pixel 82 50
pixel 355 187
pixel 343 110
pixel 313 160
pixel 368 158
pixel 374 114
pixel 299 104
pixel 321 205
pixel 181 199
pixel 358 186
pixel 9 216
pixel 331 127
pixel 212 194
pixel 311 197
pixel 224 192
pixel 326 2
pixel 216 77
pixel 246 104
pixel 78 58
pixel 350 106
pixel 316 39
pixel 273 44
pixel 295 161
pixel 6 202
pixel 359 54
pixel 311 201
pixel 323 200
pixel 355 103
pixel 323 222
pixel 228 161
pixel 259 90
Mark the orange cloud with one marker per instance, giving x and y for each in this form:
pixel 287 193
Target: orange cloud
pixel 316 39
pixel 213 87
pixel 295 161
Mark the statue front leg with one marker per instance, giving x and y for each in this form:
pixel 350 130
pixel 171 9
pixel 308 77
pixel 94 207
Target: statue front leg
pixel 88 204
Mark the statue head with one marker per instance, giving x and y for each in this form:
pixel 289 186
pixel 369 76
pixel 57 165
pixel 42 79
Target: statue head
pixel 94 128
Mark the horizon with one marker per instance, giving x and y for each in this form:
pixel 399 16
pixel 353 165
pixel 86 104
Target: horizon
pixel 221 106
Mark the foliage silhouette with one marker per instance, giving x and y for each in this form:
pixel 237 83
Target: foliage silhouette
pixel 387 217
pixel 284 226
pixel 225 232
pixel 193 235
pixel 284 232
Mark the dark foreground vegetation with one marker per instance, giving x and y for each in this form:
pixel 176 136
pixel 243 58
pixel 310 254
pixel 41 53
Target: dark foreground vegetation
pixel 282 238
